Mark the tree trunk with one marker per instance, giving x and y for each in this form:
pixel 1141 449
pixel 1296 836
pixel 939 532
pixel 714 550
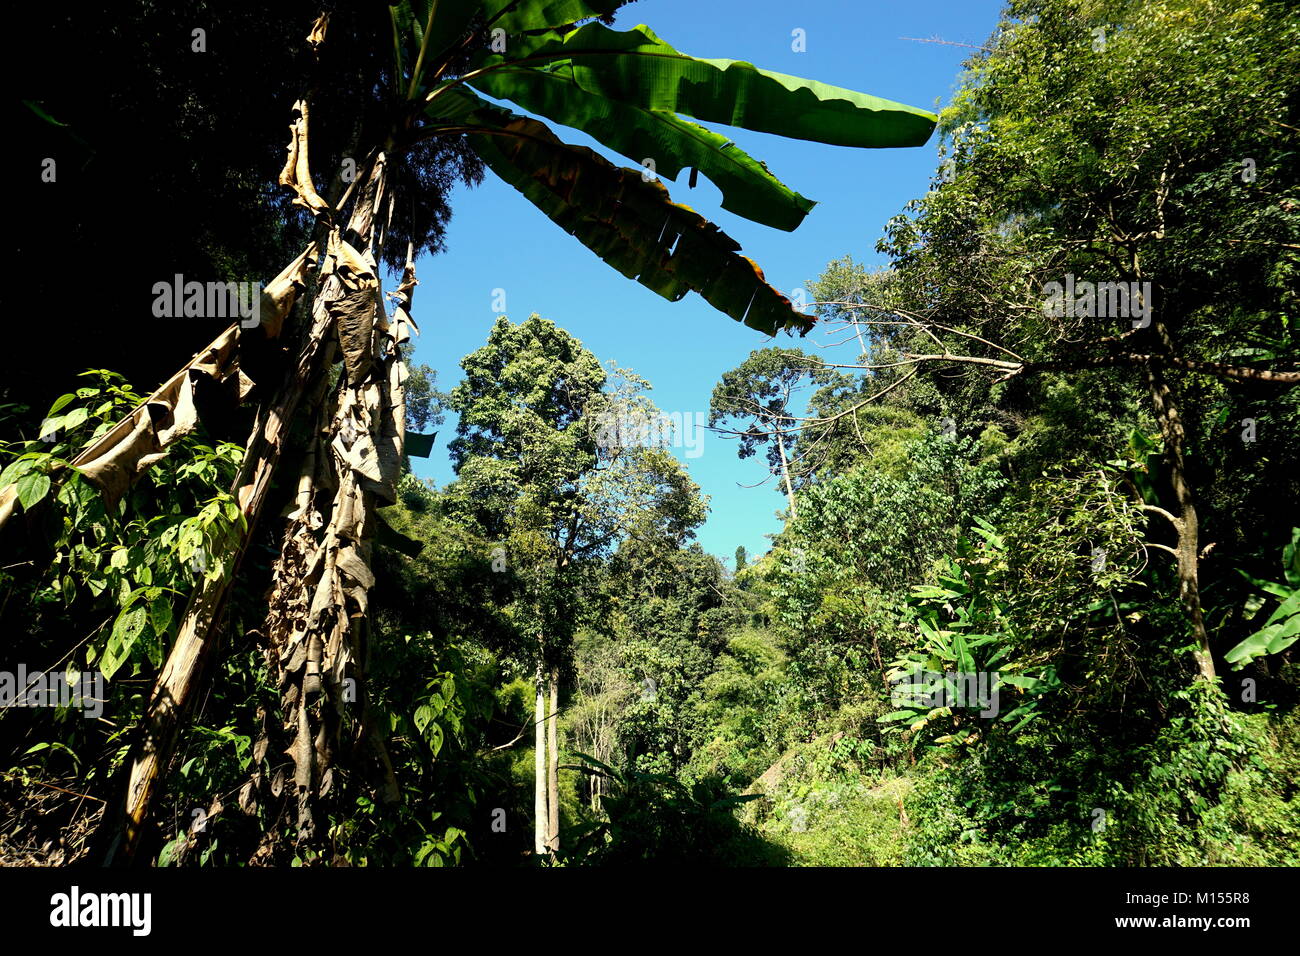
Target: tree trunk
pixel 861 344
pixel 785 474
pixel 541 816
pixel 1172 430
pixel 1187 525
pixel 553 766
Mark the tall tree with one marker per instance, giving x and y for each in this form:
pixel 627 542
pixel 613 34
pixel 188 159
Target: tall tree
pixel 542 467
pixel 756 397
pixel 523 446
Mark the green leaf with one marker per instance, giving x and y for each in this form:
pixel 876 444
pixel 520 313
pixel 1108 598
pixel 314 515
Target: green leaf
pixel 17 468
pixel 930 592
pixel 1277 590
pixel 631 224
pixel 74 418
pixel 1280 631
pixel 965 663
pixel 32 487
pixel 1016 680
pixel 989 533
pixel 160 616
pixel 60 403
pixel 637 67
pixel 1284 634
pixel 748 188
pixel 936 639
pixel 127 629
pixel 423 717
pixel 410 18
pixel 603 767
pixel 39 111
pixel 1256 645
pixel 1291 559
pixel 1284 610
pixel 540 14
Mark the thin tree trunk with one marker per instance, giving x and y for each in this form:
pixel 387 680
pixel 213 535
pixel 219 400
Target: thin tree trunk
pixel 861 344
pixel 600 752
pixel 540 814
pixel 785 473
pixel 553 766
pixel 1187 524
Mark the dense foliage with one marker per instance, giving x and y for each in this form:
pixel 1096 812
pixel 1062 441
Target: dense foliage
pixel 981 637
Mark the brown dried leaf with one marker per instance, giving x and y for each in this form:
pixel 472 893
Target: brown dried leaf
pixel 317 35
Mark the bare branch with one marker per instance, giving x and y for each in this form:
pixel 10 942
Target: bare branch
pixel 917 320
pixel 969 46
pixel 1161 511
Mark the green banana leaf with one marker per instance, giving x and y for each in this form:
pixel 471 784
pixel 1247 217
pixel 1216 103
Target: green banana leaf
pixel 1279 632
pixel 451 21
pixel 637 67
pixel 515 16
pixel 1282 629
pixel 748 188
pixel 629 222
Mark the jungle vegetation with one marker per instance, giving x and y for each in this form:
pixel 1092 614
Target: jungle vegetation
pixel 1048 481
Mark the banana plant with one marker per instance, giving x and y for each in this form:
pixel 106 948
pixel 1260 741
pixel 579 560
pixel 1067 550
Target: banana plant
pixel 1282 628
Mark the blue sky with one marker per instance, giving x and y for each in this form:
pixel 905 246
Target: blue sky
pixel 498 240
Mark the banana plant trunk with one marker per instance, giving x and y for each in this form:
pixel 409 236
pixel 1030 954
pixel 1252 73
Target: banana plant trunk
pixel 315 627
pixel 341 283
